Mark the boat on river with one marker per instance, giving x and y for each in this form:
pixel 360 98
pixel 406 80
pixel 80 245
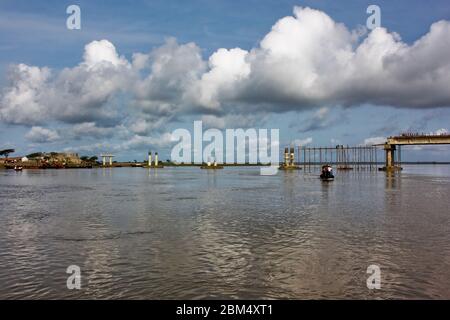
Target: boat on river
pixel 327 173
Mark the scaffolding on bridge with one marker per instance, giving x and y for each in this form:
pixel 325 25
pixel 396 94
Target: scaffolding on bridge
pixel 343 157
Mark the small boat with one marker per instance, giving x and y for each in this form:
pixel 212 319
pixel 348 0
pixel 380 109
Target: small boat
pixel 18 168
pixel 212 166
pixel 327 173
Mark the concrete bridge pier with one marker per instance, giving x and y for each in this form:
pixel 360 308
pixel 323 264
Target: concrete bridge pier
pixel 390 155
pixel 390 164
pixel 153 162
pixel 107 159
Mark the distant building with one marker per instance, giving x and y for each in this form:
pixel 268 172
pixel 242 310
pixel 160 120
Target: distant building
pixel 70 158
pixel 56 157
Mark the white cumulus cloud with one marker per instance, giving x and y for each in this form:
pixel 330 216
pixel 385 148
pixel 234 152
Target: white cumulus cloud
pixel 303 142
pixel 305 61
pixel 441 131
pixel 80 94
pixel 42 135
pixel 374 140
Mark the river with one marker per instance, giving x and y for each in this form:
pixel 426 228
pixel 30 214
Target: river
pixel 186 233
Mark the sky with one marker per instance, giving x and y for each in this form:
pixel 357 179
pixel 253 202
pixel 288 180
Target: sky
pixel 138 70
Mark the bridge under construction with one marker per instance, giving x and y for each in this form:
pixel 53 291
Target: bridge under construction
pixel 366 157
pixel 393 146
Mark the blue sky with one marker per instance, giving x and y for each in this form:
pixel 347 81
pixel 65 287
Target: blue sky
pixel 34 33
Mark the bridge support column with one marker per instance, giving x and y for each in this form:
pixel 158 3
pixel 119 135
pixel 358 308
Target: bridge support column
pixel 390 158
pixel 107 160
pixel 390 155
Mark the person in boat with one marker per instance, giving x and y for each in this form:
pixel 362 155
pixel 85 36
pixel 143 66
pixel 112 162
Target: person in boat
pixel 327 172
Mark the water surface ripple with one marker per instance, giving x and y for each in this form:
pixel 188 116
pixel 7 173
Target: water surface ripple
pixel 191 233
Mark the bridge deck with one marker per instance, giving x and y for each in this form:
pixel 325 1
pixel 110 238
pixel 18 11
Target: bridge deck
pixel 419 139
